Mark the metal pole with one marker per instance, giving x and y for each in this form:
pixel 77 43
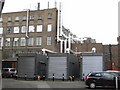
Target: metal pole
pixel 110 55
pixel 116 82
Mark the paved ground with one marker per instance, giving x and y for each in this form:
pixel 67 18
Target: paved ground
pixel 12 83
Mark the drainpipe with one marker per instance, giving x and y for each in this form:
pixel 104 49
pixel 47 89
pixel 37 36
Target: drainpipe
pixel 27 23
pixel 65 45
pixel 61 46
pixel 69 42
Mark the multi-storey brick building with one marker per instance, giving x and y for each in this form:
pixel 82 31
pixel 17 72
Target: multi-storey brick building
pixel 41 32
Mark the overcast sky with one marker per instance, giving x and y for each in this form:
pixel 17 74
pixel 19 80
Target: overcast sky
pixel 97 19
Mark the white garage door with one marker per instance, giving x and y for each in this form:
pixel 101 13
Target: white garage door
pixel 91 64
pixel 58 67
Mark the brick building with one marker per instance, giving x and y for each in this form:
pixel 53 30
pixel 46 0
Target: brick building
pixel 41 31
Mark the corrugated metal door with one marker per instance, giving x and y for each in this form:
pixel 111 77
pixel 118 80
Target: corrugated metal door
pixel 26 65
pixel 58 66
pixel 91 63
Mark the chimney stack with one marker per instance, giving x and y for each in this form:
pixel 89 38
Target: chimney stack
pixel 38 8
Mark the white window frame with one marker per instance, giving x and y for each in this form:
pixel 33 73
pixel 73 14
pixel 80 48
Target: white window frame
pixel 9 29
pixel 30 41
pixel 9 19
pixel 7 42
pixel 0 42
pixel 1 19
pixel 23 29
pixel 49 41
pixel 16 29
pixel 39 41
pixel 31 17
pixel 31 28
pixel 16 18
pixel 15 41
pixel 23 41
pixel 24 17
pixel 49 27
pixel 49 15
pixel 39 28
pixel 39 17
pixel 1 30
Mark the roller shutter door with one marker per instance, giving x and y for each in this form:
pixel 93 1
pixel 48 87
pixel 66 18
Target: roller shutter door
pixel 26 65
pixel 91 64
pixel 58 66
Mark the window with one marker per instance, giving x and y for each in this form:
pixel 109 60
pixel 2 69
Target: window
pixel 49 15
pixel 31 17
pixel 1 30
pixel 49 28
pixel 39 28
pixel 98 75
pixel 9 29
pixel 39 41
pixel 16 29
pixel 24 18
pixel 23 29
pixel 49 41
pixel 30 41
pixel 1 19
pixel 107 75
pixel 15 41
pixel 23 41
pixel 7 41
pixel 16 18
pixel 40 17
pixel 9 19
pixel 31 28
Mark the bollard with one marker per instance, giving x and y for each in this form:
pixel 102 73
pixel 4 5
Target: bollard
pixel 53 76
pixel 116 82
pixel 16 76
pixel 43 77
pixel 72 78
pixel 63 77
pixel 25 76
pixel 34 76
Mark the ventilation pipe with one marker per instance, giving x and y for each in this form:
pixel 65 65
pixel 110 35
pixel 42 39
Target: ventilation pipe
pixel 69 42
pixel 61 46
pixel 38 8
pixel 48 5
pixel 65 45
pixel 60 21
pixel 27 23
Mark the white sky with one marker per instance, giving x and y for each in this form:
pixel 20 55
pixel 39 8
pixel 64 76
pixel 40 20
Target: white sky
pixel 97 19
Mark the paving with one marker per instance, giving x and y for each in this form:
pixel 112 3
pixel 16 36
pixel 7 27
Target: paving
pixel 12 83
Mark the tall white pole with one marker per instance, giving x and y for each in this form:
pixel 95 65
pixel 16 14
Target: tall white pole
pixel 69 42
pixel 65 45
pixel 61 46
pixel 60 23
pixel 27 23
pixel 58 27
